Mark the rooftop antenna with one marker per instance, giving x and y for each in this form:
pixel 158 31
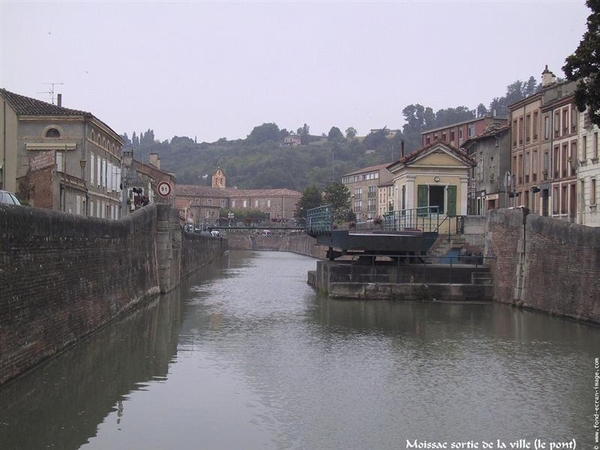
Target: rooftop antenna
pixel 51 91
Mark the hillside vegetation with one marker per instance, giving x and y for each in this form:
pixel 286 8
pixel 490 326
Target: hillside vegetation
pixel 261 161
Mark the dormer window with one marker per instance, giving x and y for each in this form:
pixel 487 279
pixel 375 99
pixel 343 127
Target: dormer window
pixel 52 133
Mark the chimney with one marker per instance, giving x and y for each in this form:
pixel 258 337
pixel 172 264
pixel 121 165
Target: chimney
pixel 59 99
pixel 548 77
pixel 154 160
pixel 401 149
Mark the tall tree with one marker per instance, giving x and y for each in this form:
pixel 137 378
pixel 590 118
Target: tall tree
pixel 335 134
pixel 311 198
pixel 583 66
pixel 351 132
pixel 338 196
pixel 304 133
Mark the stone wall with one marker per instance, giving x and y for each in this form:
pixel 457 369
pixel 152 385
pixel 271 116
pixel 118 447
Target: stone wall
pixel 63 276
pixel 295 243
pixel 546 264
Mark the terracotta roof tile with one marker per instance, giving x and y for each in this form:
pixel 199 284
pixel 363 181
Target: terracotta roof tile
pixel 33 107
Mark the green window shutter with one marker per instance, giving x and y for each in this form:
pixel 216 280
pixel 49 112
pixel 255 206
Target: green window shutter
pixel 422 198
pixel 451 200
pixel 422 194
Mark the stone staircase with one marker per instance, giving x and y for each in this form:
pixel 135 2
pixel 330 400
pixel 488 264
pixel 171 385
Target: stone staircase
pixel 443 246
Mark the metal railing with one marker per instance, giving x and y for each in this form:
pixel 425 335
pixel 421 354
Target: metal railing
pixel 319 220
pixel 424 218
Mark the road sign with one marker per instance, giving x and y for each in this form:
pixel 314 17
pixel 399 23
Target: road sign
pixel 164 189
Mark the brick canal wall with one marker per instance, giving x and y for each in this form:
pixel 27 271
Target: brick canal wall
pixel 546 264
pixel 64 276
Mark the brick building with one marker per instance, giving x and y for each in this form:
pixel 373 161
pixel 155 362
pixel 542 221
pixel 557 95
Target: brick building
pixel 203 204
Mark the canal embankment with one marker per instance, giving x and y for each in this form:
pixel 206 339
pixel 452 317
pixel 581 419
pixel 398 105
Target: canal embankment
pixel 64 276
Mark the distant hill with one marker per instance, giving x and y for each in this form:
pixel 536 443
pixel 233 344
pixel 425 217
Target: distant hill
pixel 261 161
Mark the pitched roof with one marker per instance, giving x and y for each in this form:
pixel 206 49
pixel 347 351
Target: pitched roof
pixel 423 150
pixel 27 106
pixel 488 132
pixel 33 107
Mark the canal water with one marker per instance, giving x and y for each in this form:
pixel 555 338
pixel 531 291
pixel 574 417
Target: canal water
pixel 247 356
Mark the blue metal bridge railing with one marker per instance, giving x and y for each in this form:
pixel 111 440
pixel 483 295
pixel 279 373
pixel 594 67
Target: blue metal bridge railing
pixel 319 220
pixel 424 218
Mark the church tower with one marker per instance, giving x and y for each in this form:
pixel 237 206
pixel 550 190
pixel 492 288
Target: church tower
pixel 219 179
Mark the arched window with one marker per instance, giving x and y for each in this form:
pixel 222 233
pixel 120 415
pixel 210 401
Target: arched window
pixel 52 133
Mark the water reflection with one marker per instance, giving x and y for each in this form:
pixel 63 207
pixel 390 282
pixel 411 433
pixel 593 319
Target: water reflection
pixel 61 402
pixel 247 356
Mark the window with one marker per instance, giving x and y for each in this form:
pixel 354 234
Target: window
pixel 557 124
pixel 471 130
pixel 268 203
pixel 573 119
pixel 60 161
pixel 555 200
pixel 546 127
pixel 593 192
pixel 520 130
pixel 479 169
pixel 565 118
pixel 514 130
pixel 534 165
pixel 573 158
pixel 245 203
pixel 52 133
pixel 233 203
pixel 595 148
pixel 528 128
pixel 535 125
pixel 520 168
pixel 256 203
pixel 526 166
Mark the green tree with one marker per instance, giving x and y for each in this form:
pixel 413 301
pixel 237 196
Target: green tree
pixel 583 66
pixel 335 134
pixel 375 139
pixel 147 138
pixel 338 196
pixel 263 133
pixel 482 110
pixel 304 134
pixel 450 116
pixel 311 198
pixel 418 119
pixel 351 132
pixel 515 91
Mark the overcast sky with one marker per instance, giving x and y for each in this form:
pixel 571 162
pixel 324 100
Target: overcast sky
pixel 219 69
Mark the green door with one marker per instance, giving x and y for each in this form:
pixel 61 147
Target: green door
pixel 451 200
